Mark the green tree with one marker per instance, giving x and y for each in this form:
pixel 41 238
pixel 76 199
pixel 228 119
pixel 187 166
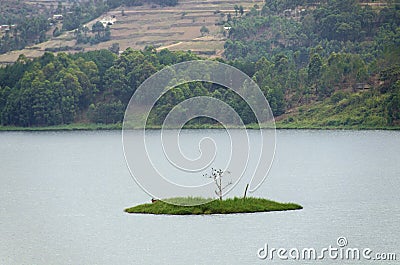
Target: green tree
pixel 236 7
pixel 98 29
pixel 241 10
pixel 204 30
pixel 114 48
pixel 314 68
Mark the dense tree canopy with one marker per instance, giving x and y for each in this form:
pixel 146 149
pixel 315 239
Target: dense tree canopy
pixel 303 51
pixel 298 52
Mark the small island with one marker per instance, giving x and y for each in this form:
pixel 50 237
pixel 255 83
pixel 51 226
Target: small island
pixel 205 206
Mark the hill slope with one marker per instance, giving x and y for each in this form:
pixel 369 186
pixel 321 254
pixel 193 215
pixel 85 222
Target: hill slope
pixel 315 70
pixel 177 28
pixel 323 63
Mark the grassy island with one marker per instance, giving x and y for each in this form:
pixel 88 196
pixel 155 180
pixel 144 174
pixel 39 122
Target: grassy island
pixel 227 206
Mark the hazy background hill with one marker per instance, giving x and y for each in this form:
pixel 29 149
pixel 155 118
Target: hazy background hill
pixel 137 24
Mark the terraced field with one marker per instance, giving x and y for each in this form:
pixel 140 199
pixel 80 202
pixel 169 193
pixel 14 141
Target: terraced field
pixel 176 28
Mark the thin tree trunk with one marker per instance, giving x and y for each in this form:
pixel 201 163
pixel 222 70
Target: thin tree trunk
pixel 245 191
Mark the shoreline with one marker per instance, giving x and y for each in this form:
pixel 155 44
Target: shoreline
pixel 109 127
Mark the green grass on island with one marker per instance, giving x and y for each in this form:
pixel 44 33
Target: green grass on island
pixel 226 206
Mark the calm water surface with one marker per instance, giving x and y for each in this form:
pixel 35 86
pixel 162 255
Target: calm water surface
pixel 62 196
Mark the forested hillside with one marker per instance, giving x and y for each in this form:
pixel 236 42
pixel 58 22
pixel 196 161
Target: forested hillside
pixel 306 51
pixel 320 64
pixel 85 87
pixel 21 24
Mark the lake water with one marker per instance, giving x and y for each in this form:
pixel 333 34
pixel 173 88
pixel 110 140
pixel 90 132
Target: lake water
pixel 62 196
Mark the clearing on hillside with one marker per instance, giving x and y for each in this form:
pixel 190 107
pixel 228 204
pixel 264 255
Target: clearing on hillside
pixel 175 28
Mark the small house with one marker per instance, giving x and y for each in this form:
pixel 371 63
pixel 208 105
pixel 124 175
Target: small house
pixel 108 21
pixel 361 86
pixel 58 17
pixel 5 27
pixel 287 12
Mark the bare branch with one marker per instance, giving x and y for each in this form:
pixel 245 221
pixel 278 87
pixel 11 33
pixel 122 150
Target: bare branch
pixel 216 175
